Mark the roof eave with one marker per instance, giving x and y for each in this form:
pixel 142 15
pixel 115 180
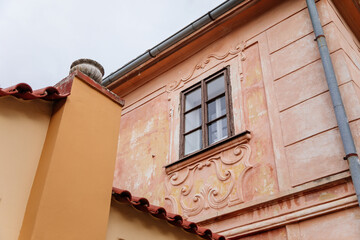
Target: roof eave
pixel 192 29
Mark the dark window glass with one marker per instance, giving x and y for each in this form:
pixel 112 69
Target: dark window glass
pixel 215 87
pixel 216 108
pixel 193 119
pixel 205 117
pixel 193 141
pixel 217 130
pixel 193 99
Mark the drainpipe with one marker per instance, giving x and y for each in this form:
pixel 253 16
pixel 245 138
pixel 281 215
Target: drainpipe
pixel 341 118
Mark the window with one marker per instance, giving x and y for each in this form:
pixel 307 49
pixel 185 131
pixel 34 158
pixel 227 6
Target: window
pixel 205 113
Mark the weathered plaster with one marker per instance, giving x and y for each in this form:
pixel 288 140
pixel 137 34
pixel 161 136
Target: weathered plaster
pixel 143 150
pixel 280 95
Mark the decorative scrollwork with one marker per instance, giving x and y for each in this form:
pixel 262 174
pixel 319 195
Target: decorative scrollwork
pixel 172 203
pixel 213 182
pixel 239 49
pixel 198 200
pixel 240 152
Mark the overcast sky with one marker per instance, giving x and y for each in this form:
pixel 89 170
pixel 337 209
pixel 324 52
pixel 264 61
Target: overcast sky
pixel 39 39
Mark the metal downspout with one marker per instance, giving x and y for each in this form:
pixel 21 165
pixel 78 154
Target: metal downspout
pixel 341 118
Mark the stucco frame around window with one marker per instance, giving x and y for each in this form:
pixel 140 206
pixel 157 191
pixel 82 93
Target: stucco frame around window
pixel 193 27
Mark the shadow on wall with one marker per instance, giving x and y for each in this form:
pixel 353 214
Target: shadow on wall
pixel 128 223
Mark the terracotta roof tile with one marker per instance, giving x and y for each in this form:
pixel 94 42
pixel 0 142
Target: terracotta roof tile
pixel 24 91
pixel 143 204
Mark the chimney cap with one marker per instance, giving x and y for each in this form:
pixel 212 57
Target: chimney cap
pixel 89 67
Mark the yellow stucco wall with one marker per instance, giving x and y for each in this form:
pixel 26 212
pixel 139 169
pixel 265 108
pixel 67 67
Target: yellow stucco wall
pixel 23 127
pixel 128 223
pixel 71 195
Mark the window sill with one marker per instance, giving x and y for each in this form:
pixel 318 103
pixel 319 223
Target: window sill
pixel 208 152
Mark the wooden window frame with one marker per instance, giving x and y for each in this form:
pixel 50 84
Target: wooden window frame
pixel 204 114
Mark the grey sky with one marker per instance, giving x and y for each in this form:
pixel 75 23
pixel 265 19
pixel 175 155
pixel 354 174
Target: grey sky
pixel 39 39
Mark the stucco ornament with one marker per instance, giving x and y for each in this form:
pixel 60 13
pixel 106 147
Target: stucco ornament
pixel 214 182
pixel 89 67
pixel 238 50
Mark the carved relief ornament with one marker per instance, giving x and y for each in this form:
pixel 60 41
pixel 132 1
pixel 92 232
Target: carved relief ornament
pixel 239 49
pixel 214 181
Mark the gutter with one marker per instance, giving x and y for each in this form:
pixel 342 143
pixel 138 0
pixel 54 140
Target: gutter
pixel 341 117
pixel 166 44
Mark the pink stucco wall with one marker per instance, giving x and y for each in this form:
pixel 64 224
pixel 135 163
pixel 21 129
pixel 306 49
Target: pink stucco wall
pixel 288 174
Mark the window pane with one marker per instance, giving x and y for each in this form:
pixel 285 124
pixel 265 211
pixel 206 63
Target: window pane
pixel 217 130
pixel 192 119
pixel 193 141
pixel 193 99
pixel 215 87
pixel 216 108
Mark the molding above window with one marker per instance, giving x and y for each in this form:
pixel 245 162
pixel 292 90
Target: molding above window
pixel 204 64
pixel 243 137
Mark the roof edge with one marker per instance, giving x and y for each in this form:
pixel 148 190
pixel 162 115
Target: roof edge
pixel 25 92
pixel 175 38
pixel 65 85
pixel 142 204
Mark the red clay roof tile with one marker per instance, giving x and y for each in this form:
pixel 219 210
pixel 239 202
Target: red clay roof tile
pixel 24 91
pixel 143 204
